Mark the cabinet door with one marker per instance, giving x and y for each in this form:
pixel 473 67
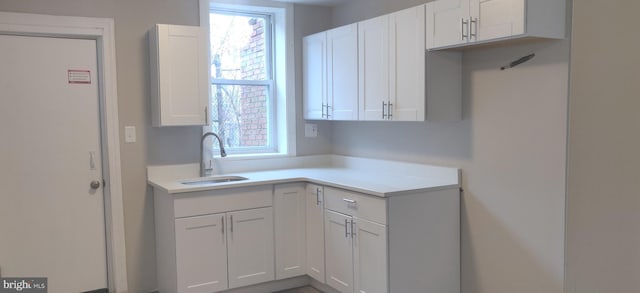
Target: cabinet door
pixel 492 19
pixel 314 75
pixel 180 75
pixel 201 254
pixel 373 54
pixel 339 251
pixel 342 72
pixel 289 209
pixel 407 64
pixel 315 231
pixel 250 247
pixel 447 23
pixel 370 257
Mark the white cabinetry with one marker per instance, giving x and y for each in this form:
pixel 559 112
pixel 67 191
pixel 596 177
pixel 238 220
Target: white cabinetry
pixel 453 23
pixel 201 253
pixel 210 241
pixel 315 232
pixel 179 75
pixel 397 80
pixel 289 207
pixel 354 242
pixel 404 243
pixel 330 74
pixel 250 247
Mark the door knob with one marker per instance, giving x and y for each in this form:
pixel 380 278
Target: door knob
pixel 95 184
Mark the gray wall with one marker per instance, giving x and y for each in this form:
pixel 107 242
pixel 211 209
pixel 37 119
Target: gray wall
pixel 511 147
pixel 603 221
pixel 155 146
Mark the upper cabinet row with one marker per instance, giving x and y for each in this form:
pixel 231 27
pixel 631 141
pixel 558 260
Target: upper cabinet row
pixel 455 23
pixel 378 69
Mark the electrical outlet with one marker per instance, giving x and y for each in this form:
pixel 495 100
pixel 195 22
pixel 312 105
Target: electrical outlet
pixel 310 130
pixel 129 134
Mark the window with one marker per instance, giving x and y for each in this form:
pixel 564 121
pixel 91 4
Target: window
pixel 251 107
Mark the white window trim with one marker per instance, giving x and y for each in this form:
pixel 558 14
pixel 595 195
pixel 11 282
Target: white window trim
pixel 285 119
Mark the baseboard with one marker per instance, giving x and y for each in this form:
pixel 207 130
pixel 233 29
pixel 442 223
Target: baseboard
pixel 272 286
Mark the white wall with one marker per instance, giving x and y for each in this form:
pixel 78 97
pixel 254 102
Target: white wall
pixel 603 221
pixel 511 146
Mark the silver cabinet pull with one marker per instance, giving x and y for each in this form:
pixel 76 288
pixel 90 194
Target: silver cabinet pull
pixel 474 23
pixel 231 222
pixel 389 115
pixel 464 23
pixel 323 110
pixel 318 196
pixel 384 105
pixel 351 201
pixel 353 230
pixel 346 228
pixel 222 225
pixel 328 115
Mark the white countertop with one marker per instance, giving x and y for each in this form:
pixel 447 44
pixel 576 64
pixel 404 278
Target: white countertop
pixel 374 177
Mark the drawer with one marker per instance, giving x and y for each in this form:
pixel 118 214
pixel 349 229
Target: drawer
pixel 356 204
pixel 222 200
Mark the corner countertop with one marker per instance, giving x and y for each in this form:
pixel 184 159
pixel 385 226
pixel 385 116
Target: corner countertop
pixel 373 177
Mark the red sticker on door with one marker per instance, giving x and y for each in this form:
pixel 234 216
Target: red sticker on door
pixel 79 76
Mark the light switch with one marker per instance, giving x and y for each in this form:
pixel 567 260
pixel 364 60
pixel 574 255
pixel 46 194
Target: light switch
pixel 310 130
pixel 129 134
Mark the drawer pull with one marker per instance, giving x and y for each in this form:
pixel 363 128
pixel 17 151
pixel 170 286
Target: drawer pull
pixel 351 201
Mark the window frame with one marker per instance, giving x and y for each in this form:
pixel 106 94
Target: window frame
pixel 281 68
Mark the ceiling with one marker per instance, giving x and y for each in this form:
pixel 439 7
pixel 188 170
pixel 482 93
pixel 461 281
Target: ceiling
pixel 316 2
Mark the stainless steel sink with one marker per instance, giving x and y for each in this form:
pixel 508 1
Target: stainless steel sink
pixel 214 180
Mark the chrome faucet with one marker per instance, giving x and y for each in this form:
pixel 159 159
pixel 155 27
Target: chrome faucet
pixel 223 153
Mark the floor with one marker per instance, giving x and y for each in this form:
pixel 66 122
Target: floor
pixel 307 289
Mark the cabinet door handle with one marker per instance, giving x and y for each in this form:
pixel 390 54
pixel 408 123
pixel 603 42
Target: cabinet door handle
pixel 222 225
pixel 474 23
pixel 328 115
pixel 323 110
pixel 348 200
pixel 384 105
pixel 464 23
pixel 353 230
pixel 318 196
pixel 389 115
pixel 346 228
pixel 231 222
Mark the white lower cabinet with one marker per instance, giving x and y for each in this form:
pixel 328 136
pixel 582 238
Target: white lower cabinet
pixel 201 254
pixel 289 207
pixel 250 247
pixel 356 248
pixel 211 241
pixel 339 251
pixel 315 232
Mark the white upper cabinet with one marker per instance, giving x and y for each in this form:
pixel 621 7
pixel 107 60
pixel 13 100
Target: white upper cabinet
pixel 342 72
pixel 373 54
pixel 392 66
pixel 179 75
pixel 330 74
pixel 453 23
pixel 314 72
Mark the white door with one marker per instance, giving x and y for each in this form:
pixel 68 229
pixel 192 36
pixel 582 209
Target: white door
pixel 315 231
pixel 201 254
pixel 289 210
pixel 342 72
pixel 314 87
pixel 447 23
pixel 373 74
pixel 339 251
pixel 497 18
pixel 51 219
pixel 407 64
pixel 370 257
pixel 250 247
